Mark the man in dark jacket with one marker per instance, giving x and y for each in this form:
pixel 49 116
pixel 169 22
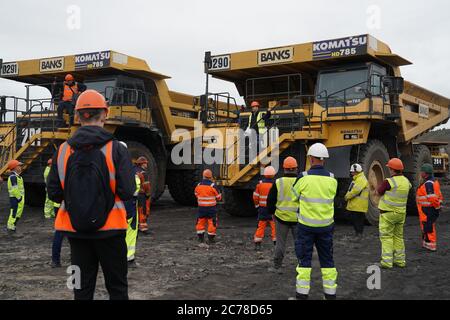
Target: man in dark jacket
pixel 107 245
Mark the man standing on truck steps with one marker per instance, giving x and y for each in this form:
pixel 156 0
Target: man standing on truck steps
pixel 70 93
pixel 283 204
pixel 315 190
pixel 357 199
pixel 91 176
pixel 429 201
pixel 260 200
pixel 16 192
pixel 257 122
pixel 143 200
pixel 207 196
pixel 392 206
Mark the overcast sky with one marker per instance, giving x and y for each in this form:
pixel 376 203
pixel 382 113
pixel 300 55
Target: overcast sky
pixel 172 36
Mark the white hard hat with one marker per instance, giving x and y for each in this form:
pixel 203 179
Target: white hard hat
pixel 124 144
pixel 319 151
pixel 356 168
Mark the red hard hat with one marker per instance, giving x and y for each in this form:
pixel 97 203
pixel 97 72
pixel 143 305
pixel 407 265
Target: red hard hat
pixel 91 99
pixel 396 164
pixel 255 104
pixel 14 164
pixel 49 162
pixel 141 160
pixel 207 174
pixel 290 163
pixel 69 77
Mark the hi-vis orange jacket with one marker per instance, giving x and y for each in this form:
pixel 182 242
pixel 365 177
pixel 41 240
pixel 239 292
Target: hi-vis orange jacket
pixel 429 195
pixel 117 218
pixel 69 91
pixel 260 198
pixel 207 197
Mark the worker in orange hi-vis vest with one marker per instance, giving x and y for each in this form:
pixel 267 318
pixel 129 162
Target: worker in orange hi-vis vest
pixel 429 202
pixel 207 196
pixel 260 199
pixel 143 200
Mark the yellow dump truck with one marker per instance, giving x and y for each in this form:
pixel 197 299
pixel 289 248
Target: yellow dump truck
pixel 143 113
pixel 347 93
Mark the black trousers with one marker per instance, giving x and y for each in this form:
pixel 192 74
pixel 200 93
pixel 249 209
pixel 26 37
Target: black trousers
pixel 111 254
pixel 69 107
pixel 358 220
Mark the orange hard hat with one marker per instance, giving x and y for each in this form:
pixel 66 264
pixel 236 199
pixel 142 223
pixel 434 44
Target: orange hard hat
pixel 49 162
pixel 91 99
pixel 269 172
pixel 14 164
pixel 290 163
pixel 255 104
pixel 141 160
pixel 207 174
pixel 396 164
pixel 69 77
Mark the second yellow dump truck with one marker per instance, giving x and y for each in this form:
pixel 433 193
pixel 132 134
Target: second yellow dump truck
pixel 347 93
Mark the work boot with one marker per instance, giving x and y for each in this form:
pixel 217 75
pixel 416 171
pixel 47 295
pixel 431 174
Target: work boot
pixel 201 238
pixel 257 246
pixel 300 296
pixel 56 265
pixel 132 264
pixel 330 296
pixel 211 239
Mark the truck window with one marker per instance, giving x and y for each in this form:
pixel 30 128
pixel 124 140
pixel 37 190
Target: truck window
pixel 343 84
pixel 376 75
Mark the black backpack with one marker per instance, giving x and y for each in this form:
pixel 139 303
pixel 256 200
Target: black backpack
pixel 87 194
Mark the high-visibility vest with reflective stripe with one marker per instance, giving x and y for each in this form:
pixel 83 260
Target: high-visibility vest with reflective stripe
pixel 262 193
pixel 287 204
pixel 69 92
pixel 259 120
pixel 396 199
pixel 207 195
pixel 17 191
pixel 425 200
pixel 316 195
pixel 46 173
pixel 359 193
pixel 117 218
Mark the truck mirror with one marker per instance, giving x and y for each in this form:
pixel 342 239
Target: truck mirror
pixel 395 85
pixel 358 89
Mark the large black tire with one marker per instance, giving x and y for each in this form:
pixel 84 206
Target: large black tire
pixel 35 195
pixel 239 203
pixel 181 184
pixel 413 164
pixel 373 156
pixel 137 150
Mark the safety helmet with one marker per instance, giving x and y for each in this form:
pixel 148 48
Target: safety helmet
pixel 13 164
pixel 91 99
pixel 207 174
pixel 269 172
pixel 396 164
pixel 427 168
pixel 49 162
pixel 141 160
pixel 69 77
pixel 319 151
pixel 356 168
pixel 255 104
pixel 290 163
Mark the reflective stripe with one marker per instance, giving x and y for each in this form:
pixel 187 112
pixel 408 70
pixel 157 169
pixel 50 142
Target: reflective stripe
pixel 329 283
pixel 330 291
pixel 392 203
pixel 325 222
pixel 256 194
pixel 317 200
pixel 303 283
pixel 207 198
pixel 119 205
pixel 282 196
pixel 60 163
pixel 263 197
pixel 291 209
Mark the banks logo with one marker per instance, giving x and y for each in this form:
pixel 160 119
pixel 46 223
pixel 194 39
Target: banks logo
pixel 52 64
pixel 274 56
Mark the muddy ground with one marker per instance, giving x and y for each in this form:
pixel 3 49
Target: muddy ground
pixel 173 266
